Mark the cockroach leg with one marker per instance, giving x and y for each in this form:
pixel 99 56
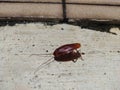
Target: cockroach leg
pixel 82 58
pixel 81 53
pixel 74 60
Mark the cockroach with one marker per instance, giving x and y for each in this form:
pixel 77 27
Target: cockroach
pixel 67 52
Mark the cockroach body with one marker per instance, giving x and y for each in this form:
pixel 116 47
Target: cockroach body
pixel 67 52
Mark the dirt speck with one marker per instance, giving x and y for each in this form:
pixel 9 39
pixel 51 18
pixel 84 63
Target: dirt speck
pixel 20 51
pixel 118 51
pixel 62 28
pixel 33 45
pixel 36 76
pixel 35 87
pixel 105 73
pixel 46 50
pixel 39 86
pixel 52 74
pixel 1 80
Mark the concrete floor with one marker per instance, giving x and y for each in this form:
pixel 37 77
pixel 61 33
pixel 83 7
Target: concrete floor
pixel 24 47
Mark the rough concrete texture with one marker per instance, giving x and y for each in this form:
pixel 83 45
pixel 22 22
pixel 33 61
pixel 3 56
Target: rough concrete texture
pixel 24 47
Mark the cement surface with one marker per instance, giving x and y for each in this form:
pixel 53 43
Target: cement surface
pixel 24 47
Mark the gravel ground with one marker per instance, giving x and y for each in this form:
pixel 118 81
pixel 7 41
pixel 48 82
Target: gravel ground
pixel 24 47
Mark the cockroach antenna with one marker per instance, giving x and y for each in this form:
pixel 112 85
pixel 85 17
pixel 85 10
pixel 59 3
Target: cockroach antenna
pixel 44 64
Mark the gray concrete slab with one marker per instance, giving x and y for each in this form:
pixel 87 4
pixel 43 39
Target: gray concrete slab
pixel 24 47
